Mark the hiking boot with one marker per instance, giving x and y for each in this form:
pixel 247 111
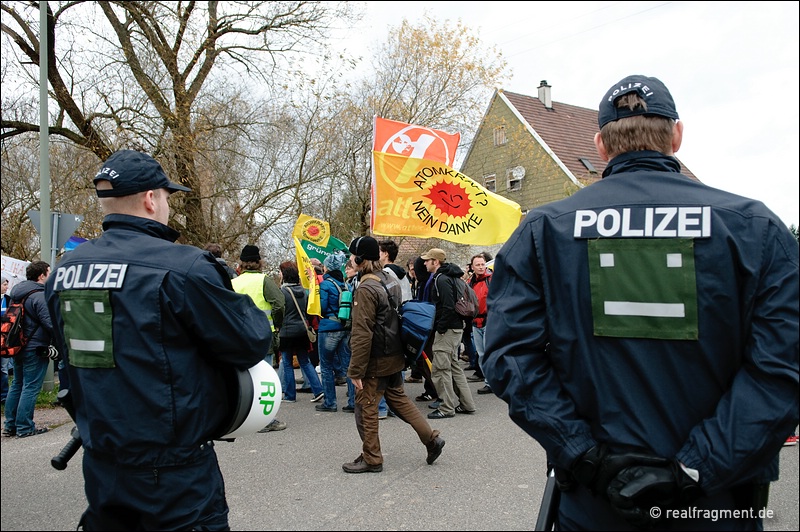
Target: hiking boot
pixel 434 449
pixel 274 426
pixel 360 466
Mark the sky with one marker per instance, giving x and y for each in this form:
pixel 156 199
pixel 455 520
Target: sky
pixel 732 69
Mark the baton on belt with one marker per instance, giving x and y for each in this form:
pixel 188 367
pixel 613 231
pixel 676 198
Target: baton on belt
pixel 548 511
pixel 61 459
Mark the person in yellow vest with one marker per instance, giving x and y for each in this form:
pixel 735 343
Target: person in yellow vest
pixel 267 296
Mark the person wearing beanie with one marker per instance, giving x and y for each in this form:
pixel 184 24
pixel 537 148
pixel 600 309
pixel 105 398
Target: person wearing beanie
pixel 335 261
pixel 146 327
pixel 377 361
pixel 267 295
pixel 644 331
pixel 264 292
pixel 333 340
pixel 250 253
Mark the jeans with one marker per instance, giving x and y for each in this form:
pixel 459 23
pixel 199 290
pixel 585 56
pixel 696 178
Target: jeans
pixel 469 348
pixel 333 346
pixel 480 343
pixel 309 373
pixel 5 363
pixel 29 371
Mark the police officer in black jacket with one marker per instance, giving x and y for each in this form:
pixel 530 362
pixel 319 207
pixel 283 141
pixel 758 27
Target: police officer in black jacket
pixel 645 332
pixel 148 328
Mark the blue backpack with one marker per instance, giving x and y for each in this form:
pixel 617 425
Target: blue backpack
pixel 416 325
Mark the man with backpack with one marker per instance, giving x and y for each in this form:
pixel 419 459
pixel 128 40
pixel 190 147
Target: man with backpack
pixel 30 365
pixel 447 373
pixel 377 361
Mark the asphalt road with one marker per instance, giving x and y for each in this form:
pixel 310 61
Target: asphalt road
pixel 490 476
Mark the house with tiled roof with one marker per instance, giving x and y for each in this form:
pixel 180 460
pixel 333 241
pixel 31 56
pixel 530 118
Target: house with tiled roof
pixel 534 150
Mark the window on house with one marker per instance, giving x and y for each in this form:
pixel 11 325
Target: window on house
pixel 514 178
pixel 490 183
pixel 500 136
pixel 588 164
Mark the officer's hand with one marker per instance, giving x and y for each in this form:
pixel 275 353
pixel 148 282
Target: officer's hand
pixel 597 466
pixel 636 490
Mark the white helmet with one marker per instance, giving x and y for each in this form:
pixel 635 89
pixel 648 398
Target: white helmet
pixel 255 398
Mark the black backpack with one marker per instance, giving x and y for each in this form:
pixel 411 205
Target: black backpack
pixel 12 334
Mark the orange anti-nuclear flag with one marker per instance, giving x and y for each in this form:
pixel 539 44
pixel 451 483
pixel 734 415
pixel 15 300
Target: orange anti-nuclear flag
pixel 399 138
pixel 422 195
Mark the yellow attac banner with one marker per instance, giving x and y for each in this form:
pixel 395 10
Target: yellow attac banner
pixel 312 229
pixel 308 278
pixel 416 192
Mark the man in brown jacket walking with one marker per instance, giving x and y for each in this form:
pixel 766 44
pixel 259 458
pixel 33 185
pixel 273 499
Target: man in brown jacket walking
pixel 377 361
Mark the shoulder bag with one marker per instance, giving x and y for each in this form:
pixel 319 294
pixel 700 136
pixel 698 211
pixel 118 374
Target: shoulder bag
pixel 312 334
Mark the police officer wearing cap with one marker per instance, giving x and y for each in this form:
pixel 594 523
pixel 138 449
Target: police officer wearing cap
pixel 645 332
pixel 148 328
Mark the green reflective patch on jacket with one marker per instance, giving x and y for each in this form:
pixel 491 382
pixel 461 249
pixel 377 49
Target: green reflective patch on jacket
pixel 88 327
pixel 644 288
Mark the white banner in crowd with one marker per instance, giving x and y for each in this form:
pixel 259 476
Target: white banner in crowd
pixel 14 270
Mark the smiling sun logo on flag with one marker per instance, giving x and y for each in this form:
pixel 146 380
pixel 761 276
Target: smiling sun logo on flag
pixel 452 199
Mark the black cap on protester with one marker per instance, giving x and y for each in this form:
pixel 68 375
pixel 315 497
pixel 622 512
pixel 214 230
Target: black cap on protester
pixel 365 247
pixel 131 172
pixel 651 90
pixel 250 254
